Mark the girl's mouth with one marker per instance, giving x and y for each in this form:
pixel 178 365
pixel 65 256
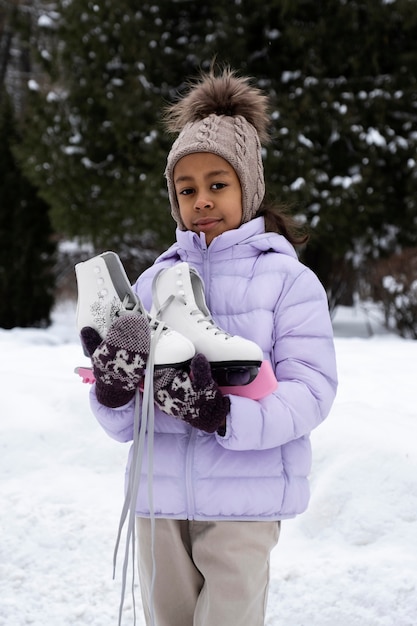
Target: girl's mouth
pixel 206 223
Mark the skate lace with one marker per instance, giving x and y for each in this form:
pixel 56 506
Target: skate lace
pixel 202 318
pixel 143 422
pixel 127 308
pixel 157 324
pixel 154 323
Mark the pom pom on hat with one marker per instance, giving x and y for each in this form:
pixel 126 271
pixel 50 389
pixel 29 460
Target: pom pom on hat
pixel 228 117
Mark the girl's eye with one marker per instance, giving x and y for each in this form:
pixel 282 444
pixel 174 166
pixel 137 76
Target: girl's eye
pixel 189 190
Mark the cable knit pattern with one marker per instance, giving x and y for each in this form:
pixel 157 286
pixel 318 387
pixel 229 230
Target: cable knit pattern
pixel 207 132
pixel 235 140
pixel 227 116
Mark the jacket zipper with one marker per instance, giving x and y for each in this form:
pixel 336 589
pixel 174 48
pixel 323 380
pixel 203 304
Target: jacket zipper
pixel 189 483
pixel 205 276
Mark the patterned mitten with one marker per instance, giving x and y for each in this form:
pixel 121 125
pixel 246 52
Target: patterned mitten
pixel 194 398
pixel 119 362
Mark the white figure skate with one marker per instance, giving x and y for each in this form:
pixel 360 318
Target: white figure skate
pixel 104 292
pixel 178 300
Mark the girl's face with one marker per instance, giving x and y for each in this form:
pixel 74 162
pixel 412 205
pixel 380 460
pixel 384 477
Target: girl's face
pixel 209 194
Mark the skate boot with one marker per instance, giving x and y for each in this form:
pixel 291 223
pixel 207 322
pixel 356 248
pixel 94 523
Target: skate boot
pixel 104 292
pixel 179 301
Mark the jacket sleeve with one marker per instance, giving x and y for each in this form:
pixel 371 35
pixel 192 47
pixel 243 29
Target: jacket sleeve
pixel 304 360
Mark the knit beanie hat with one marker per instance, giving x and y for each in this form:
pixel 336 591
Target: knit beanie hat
pixel 226 116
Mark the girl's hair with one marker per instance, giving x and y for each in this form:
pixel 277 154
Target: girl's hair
pixel 278 219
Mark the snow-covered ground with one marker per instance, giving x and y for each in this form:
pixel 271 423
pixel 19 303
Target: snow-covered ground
pixel 350 560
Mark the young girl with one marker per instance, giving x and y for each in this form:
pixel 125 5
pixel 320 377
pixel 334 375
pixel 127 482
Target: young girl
pixel 226 475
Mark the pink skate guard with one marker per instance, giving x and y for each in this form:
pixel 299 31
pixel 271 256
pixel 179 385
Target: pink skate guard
pixel 264 384
pixel 86 373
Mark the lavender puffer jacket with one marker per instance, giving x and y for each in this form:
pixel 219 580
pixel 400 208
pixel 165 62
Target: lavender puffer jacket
pixel 255 287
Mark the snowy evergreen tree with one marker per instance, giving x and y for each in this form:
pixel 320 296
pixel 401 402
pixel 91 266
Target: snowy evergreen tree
pixel 26 244
pixel 342 78
pixel 345 143
pixel 93 139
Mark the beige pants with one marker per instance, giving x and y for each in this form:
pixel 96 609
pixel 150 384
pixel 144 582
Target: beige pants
pixel 207 573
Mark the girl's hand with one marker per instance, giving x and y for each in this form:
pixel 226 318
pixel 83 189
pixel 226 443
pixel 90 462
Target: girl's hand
pixel 119 362
pixel 194 398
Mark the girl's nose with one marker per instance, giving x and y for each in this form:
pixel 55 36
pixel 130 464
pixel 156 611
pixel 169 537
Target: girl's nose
pixel 203 202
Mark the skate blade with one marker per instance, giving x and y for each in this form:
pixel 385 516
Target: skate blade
pixel 235 373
